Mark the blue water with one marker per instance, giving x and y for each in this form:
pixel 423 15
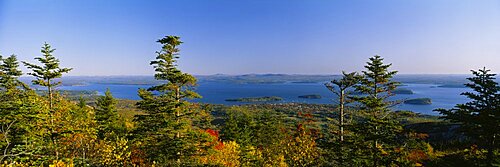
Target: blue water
pixel 218 92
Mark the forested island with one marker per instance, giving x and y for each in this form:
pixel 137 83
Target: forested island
pixel 313 96
pixel 163 128
pixel 419 101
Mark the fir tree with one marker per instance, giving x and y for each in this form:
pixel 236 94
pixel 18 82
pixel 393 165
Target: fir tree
pixel 49 71
pixel 9 73
pixel 167 124
pixel 377 128
pixel 340 88
pixel 44 76
pixel 479 118
pixel 377 85
pixel 106 115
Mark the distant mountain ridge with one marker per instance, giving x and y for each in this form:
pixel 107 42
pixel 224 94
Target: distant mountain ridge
pixel 442 80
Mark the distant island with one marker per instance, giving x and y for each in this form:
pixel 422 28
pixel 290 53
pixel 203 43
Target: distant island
pixel 403 91
pixel 452 86
pixel 313 96
pixel 419 101
pixel 256 99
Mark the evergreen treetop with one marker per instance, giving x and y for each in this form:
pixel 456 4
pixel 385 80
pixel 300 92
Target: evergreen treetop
pixel 9 73
pixel 49 71
pixel 377 85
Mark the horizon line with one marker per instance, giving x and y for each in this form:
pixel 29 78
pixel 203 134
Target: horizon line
pixel 221 74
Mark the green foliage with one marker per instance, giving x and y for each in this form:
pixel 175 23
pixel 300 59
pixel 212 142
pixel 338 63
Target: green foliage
pixel 49 71
pixel 239 126
pixel 21 125
pixel 377 133
pixel 19 120
pixel 109 123
pixel 339 87
pixel 9 73
pixel 268 141
pixel 479 118
pixel 377 85
pixel 166 129
pixel 171 131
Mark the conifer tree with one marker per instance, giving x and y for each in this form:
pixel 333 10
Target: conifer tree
pixel 340 88
pixel 9 73
pixel 378 128
pixel 49 70
pixel 44 76
pixel 18 119
pixel 167 124
pixel 479 118
pixel 106 114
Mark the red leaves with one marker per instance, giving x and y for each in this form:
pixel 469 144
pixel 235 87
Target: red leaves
pixel 219 146
pixel 215 134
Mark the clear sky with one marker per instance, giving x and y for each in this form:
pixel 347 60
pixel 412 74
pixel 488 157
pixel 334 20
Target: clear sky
pixel 117 37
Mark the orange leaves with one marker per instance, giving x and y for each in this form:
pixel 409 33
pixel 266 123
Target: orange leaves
pixel 219 145
pixel 417 155
pixel 213 133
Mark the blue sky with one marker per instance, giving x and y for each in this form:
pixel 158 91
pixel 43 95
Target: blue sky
pixel 117 37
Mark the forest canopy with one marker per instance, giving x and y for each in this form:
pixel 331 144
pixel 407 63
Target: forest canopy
pixel 165 128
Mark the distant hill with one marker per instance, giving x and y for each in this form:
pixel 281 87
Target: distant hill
pixel 441 80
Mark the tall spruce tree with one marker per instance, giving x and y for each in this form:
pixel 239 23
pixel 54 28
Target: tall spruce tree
pixel 44 76
pixel 377 127
pixel 167 124
pixel 49 71
pixel 340 88
pixel 479 118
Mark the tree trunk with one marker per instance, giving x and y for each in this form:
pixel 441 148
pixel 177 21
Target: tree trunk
pixel 375 142
pixel 341 116
pixel 50 94
pixel 53 132
pixel 341 127
pixel 491 146
pixel 177 119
